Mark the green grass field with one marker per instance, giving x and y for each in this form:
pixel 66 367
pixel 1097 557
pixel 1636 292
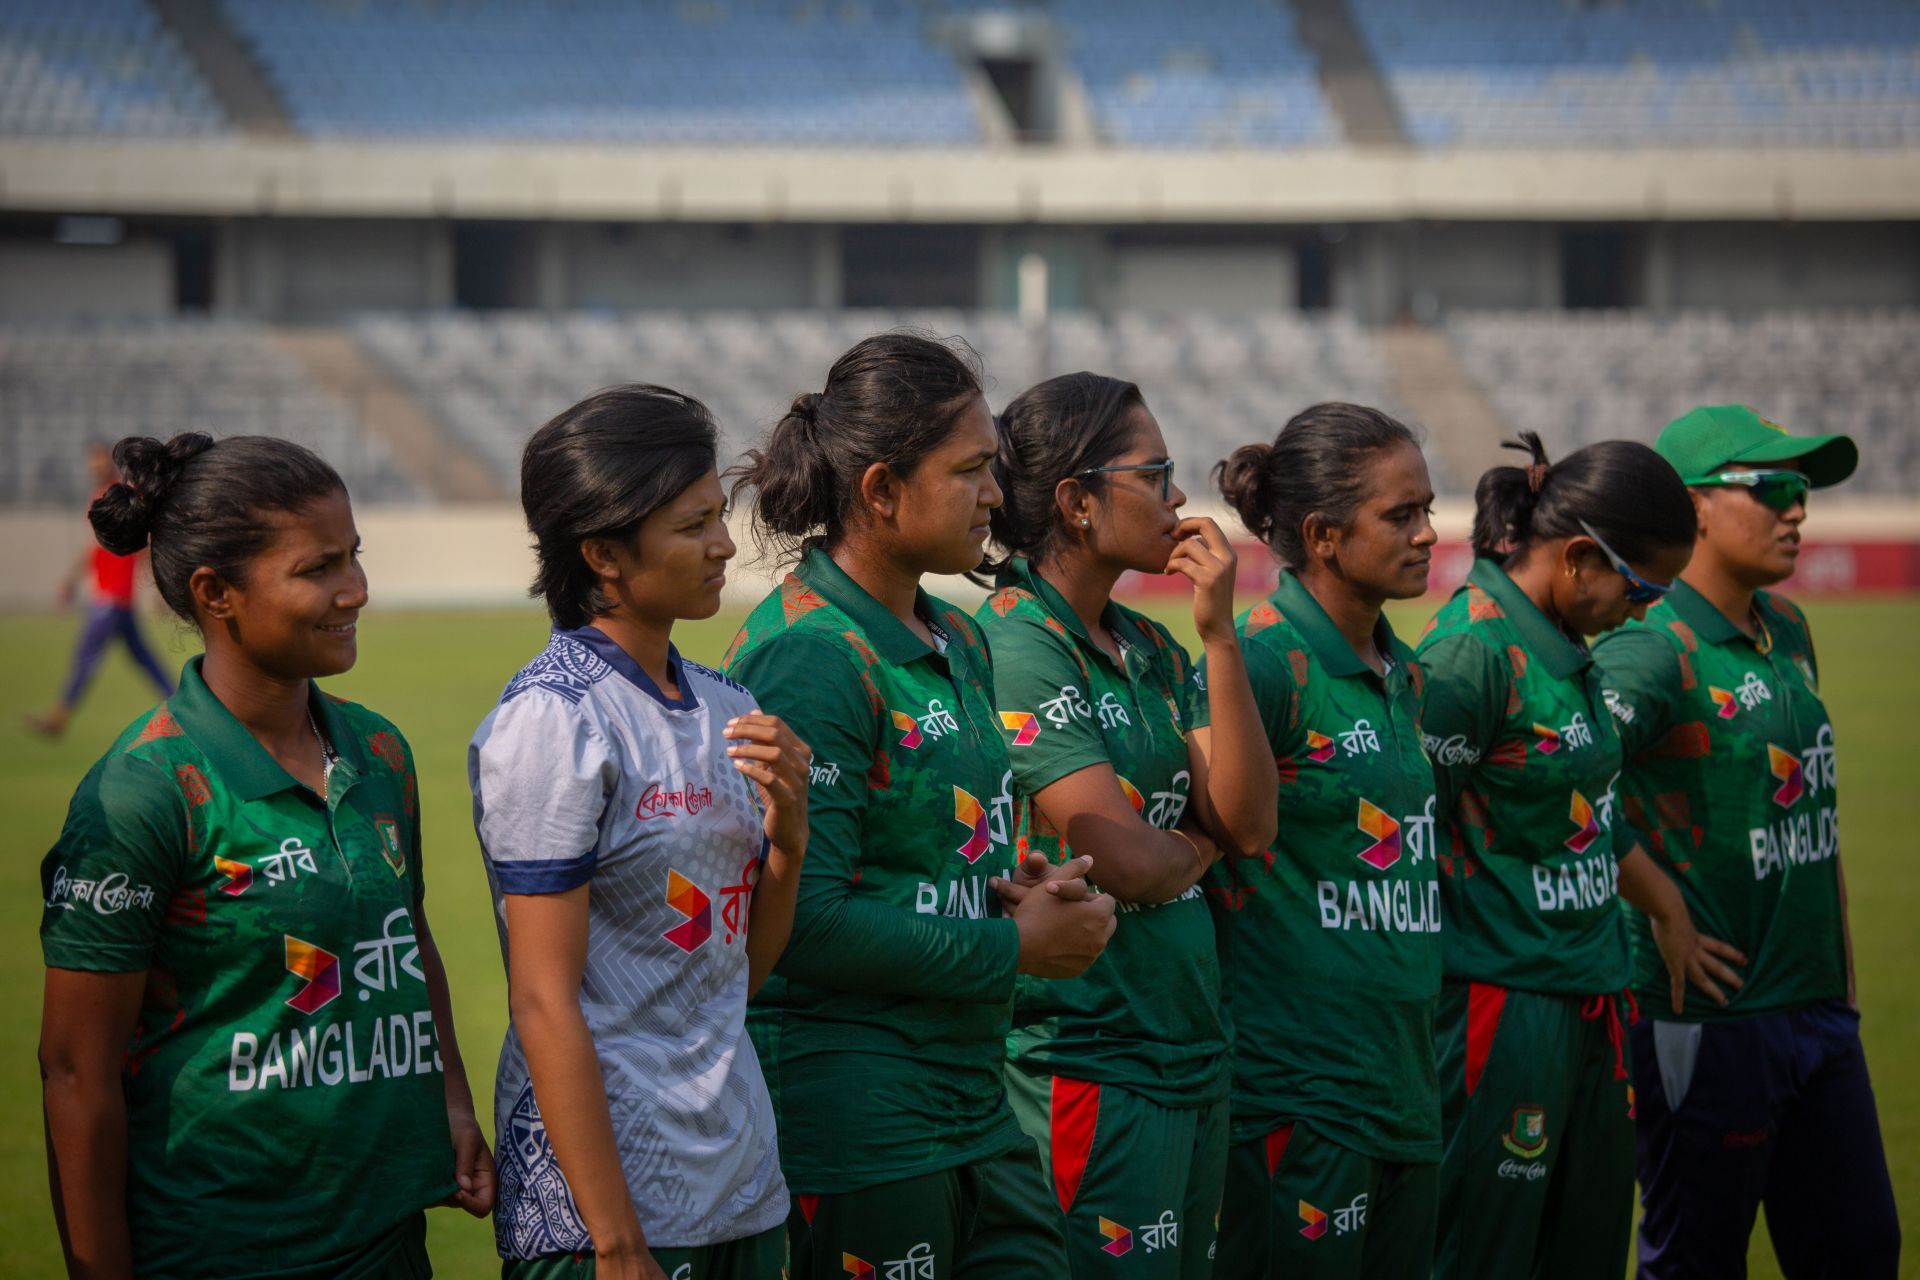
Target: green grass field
pixel 437 674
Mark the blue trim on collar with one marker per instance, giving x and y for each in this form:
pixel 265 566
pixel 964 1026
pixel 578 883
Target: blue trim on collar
pixel 604 647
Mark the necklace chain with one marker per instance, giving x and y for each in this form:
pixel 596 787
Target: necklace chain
pixel 327 756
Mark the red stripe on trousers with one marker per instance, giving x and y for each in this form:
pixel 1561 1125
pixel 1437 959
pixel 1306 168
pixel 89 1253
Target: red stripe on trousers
pixel 1277 1146
pixel 1484 1003
pixel 1075 1108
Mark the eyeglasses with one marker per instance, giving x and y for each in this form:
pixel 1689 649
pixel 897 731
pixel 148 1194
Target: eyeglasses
pixel 1164 468
pixel 1778 489
pixel 1639 589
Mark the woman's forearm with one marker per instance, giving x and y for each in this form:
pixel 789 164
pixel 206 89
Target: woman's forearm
pixel 1243 781
pixel 572 1097
pixel 86 1131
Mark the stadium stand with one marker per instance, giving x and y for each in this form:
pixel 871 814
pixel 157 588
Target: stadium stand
pixel 62 386
pixel 1497 73
pixel 1213 383
pixel 98 67
pixel 1204 73
pixel 1578 377
pixel 773 72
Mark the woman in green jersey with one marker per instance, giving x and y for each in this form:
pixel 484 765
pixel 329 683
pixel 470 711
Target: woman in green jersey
pixel 1330 939
pixel 1763 1097
pixel 1120 754
pixel 247 1046
pixel 882 1030
pixel 1537 1177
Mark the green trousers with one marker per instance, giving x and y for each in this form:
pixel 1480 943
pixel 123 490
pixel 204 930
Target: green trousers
pixel 1138 1184
pixel 1537 1117
pixel 1301 1207
pixel 988 1220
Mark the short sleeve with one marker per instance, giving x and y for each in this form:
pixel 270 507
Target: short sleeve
pixel 1045 705
pixel 1466 698
pixel 1189 686
pixel 541 773
pixel 1276 692
pixel 1640 678
pixel 107 881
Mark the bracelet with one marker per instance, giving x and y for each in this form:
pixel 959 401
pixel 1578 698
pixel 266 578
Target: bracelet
pixel 1198 859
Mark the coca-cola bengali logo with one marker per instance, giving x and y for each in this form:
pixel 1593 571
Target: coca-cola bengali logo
pixel 1524 1171
pixel 1450 752
pixel 658 802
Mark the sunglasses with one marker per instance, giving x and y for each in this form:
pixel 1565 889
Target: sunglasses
pixel 1778 489
pixel 1639 589
pixel 1164 468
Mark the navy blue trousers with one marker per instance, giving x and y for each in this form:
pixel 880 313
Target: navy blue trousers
pixel 1773 1110
pixel 106 622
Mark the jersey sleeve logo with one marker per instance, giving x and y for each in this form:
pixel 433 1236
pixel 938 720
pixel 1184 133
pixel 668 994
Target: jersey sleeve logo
pixel 239 875
pixel 1786 767
pixel 320 968
pixel 1023 725
pixel 972 815
pixel 1723 702
pixel 1586 824
pixel 1547 738
pixel 687 898
pixel 1385 849
pixel 1320 748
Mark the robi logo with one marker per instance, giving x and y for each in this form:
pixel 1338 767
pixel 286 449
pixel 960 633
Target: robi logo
pixel 856 1268
pixel 968 812
pixel 1725 707
pixel 1581 815
pixel 910 738
pixel 321 969
pixel 1024 726
pixel 1320 748
pixel 1315 1219
pixel 1119 1239
pixel 1134 798
pixel 686 897
pixel 1785 766
pixel 1385 849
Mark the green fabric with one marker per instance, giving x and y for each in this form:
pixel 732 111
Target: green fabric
pixel 1299 1206
pixel 1730 785
pixel 988 1220
pixel 1704 440
pixel 285 1106
pixel 1330 941
pixel 1567 1209
pixel 1525 757
pixel 883 1028
pixel 1146 1015
pixel 1138 1183
pixel 761 1257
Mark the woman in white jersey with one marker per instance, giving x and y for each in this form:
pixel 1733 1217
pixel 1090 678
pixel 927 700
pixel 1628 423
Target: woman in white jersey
pixel 643 826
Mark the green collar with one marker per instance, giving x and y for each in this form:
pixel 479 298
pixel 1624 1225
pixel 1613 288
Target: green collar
pixel 1337 658
pixel 1703 615
pixel 243 764
pixel 889 636
pixel 1020 572
pixel 1563 658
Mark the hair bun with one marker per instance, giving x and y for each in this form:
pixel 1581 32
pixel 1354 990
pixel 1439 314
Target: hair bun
pixel 124 515
pixel 806 407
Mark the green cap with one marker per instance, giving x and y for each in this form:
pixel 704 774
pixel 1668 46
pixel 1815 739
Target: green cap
pixel 1701 442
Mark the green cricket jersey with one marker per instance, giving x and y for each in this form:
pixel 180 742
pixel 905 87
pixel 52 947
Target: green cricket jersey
pixel 285 1104
pixel 1525 758
pixel 882 1031
pixel 1730 784
pixel 1330 941
pixel 1146 1015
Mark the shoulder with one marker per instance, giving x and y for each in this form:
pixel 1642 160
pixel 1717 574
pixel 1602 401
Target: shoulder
pixel 565 670
pixel 1013 617
pixel 1780 611
pixel 714 687
pixel 381 736
pixel 959 627
pixel 1467 611
pixel 1463 654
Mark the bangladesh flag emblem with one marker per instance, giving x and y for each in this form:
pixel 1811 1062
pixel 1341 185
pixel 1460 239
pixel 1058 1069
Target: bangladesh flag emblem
pixel 1527 1137
pixel 390 846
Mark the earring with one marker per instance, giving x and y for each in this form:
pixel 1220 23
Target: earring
pixel 1570 571
pixel 1085 523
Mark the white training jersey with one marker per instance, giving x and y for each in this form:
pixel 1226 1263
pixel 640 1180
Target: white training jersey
pixel 585 773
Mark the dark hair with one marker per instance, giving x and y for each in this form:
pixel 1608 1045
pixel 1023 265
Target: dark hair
pixel 1050 432
pixel 1630 495
pixel 891 398
pixel 1312 466
pixel 597 470
pixel 197 502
